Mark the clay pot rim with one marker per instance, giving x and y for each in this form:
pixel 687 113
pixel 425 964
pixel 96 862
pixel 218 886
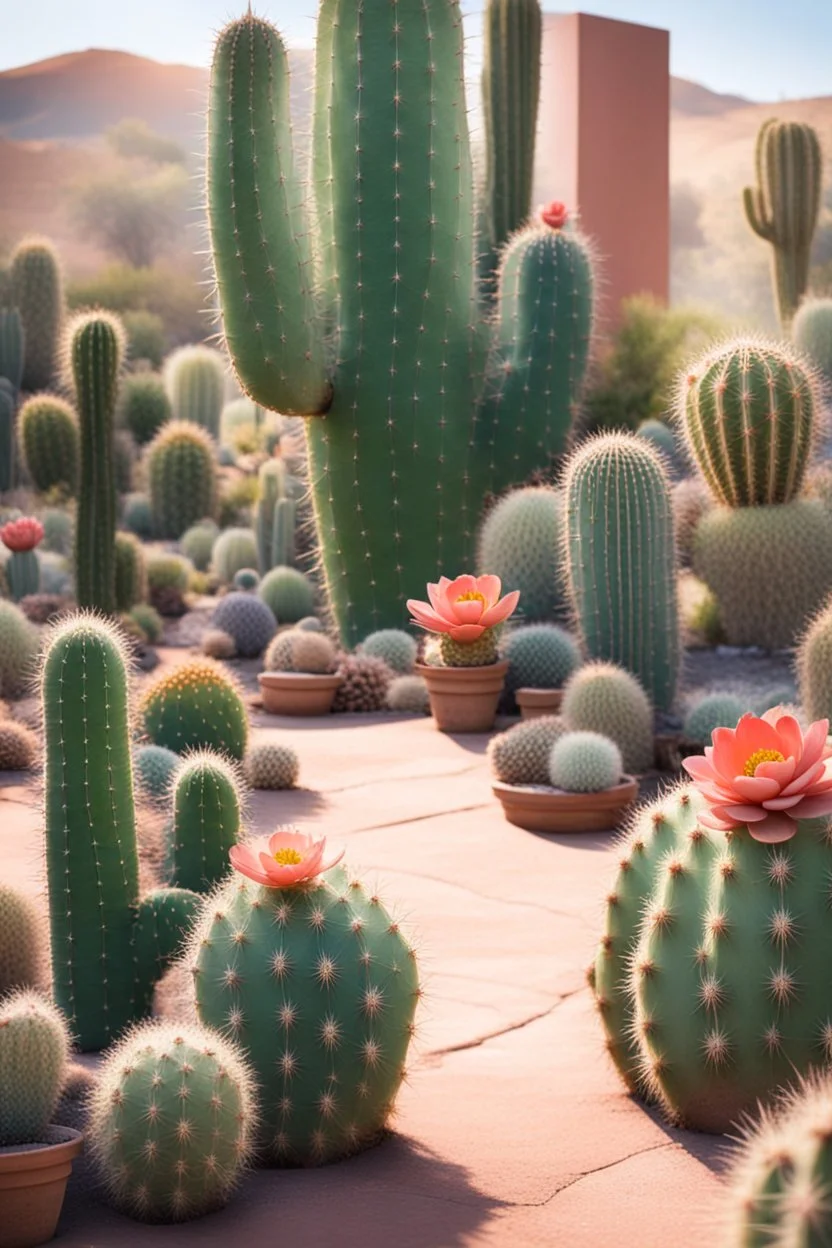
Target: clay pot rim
pixel 430 669
pixel 546 794
pixel 41 1154
pixel 535 693
pixel 297 680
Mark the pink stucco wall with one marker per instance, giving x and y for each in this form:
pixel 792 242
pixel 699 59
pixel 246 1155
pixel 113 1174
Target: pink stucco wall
pixel 603 146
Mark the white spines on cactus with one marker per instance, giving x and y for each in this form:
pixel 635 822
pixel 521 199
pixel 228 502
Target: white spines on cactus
pixel 585 762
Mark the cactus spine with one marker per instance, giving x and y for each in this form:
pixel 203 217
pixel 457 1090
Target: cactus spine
pixel 783 207
pixel 621 559
pixel 37 293
pixel 108 946
pixel 96 347
pixel 401 424
pixel 206 821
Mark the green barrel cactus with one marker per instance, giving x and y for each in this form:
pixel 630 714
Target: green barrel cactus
pixel 153 771
pixel 749 411
pixel 319 987
pixel 197 543
pixel 711 977
pixel 621 560
pixel 288 593
pixel 783 207
pixel 12 344
pixel 50 442
pixel 234 549
pixel 170 1122
pixel 812 334
pixel 182 476
pixel 206 821
pixel 600 697
pixel 585 762
pixel 143 406
pixel 814 666
pixel 540 656
pixel 8 405
pixel 195 381
pixel 395 647
pixel 319 326
pixel 197 705
pixel 108 946
pixel 715 710
pixel 96 344
pixel 37 293
pixel 34 1054
pixel 137 515
pixel 522 755
pixel 520 541
pixel 130 572
pixel 21 941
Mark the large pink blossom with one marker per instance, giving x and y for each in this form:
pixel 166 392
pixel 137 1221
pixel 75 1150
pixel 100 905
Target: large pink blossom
pixel 463 608
pixel 765 774
pixel 285 858
pixel 22 534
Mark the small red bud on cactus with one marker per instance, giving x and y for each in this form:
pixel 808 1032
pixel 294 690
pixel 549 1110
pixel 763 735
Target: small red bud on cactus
pixel 23 534
pixel 554 214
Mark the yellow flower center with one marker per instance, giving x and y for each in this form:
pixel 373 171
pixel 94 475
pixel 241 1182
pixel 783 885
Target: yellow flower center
pixel 288 857
pixel 761 756
pixel 472 596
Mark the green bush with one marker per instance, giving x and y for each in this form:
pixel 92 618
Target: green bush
pixel 146 337
pixel 172 294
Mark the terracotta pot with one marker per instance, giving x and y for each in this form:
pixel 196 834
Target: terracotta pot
pixel 536 702
pixel 298 693
pixel 538 808
pixel 32 1185
pixel 464 699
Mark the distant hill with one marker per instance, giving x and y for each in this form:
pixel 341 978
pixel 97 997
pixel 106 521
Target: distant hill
pixel 692 100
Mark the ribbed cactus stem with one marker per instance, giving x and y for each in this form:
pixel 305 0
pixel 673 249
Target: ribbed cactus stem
pixel 37 293
pixel 8 402
pixel 283 533
pixel 783 207
pixel 206 821
pixel 12 341
pixel 96 344
pixel 272 488
pixel 23 574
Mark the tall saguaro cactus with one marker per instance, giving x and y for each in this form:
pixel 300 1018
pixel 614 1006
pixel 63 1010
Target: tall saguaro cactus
pixel 108 947
pixel 96 341
pixel 364 314
pixel 783 207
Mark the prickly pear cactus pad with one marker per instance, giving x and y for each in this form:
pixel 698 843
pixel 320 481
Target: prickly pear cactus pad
pixel 304 968
pixel 712 973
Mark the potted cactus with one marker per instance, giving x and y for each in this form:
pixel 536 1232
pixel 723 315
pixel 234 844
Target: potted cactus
pixel 549 779
pixel 466 682
pixel 35 1156
pixel 22 567
pixel 300 676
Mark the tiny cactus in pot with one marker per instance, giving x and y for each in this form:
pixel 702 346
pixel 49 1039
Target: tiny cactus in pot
pixel 22 568
pixel 34 1051
pixel 300 675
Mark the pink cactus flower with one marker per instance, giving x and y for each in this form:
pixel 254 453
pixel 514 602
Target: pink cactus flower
pixel 23 534
pixel 285 858
pixel 765 774
pixel 554 214
pixel 463 608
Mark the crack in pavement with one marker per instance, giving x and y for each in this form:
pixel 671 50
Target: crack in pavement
pixel 434 1055
pixel 387 777
pixel 585 1174
pixel 434 814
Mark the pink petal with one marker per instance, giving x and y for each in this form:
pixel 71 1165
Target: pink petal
pixel 774 829
pixel 489 587
pixel 782 803
pixel 467 612
pixel 805 780
pixel 813 807
pixel 465 584
pixel 790 733
pixel 814 744
pixel 243 860
pixel 781 772
pixel 425 616
pixel 728 757
pixel 333 862
pixel 501 610
pixel 820 786
pixel 281 876
pixel 435 593
pixel 709 819
pixel 466 632
pixel 740 813
pixel 290 838
pixel 755 734
pixel 700 767
pixel 755 788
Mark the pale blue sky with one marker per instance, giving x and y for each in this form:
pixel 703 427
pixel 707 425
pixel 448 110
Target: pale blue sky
pixel 765 49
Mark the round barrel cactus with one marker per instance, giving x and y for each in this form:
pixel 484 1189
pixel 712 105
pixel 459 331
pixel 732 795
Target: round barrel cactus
pixel 49 438
pixel 196 705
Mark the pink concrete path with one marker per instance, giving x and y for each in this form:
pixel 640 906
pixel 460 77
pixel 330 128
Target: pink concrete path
pixel 513 1128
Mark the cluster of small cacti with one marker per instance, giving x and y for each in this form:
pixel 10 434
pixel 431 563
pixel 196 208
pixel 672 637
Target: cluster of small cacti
pixel 34 1051
pixel 301 650
pixel 318 986
pixel 603 698
pixel 21 941
pixel 197 543
pixel 715 710
pixel 521 755
pixel 395 647
pixel 181 471
pixel 408 695
pixel 234 549
pixel 96 916
pixel 520 541
pixel 247 619
pixel 540 656
pixel 143 406
pixel 364 683
pixel 206 821
pixel 195 381
pixel 621 560
pixel 171 1122
pixel 585 762
pixel 270 766
pixel 288 593
pixel 197 705
pixel 50 442
pixel 274 517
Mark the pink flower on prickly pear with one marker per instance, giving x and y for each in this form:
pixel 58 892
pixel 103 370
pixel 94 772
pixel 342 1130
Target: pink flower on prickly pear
pixel 463 608
pixel 23 534
pixel 765 774
pixel 285 858
pixel 554 215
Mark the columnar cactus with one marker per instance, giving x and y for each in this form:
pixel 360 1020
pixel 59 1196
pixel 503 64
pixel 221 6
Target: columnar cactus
pixel 8 404
pixel 96 345
pixel 621 560
pixel 195 381
pixel 130 572
pixel 510 94
pixel 37 293
pixel 50 441
pixel 812 334
pixel 34 1052
pixel 206 821
pixel 749 411
pixel 182 474
pixel 520 541
pixel 316 983
pixel 783 207
pixel 11 347
pixel 21 939
pixel 171 1121
pixel 108 946
pixel 271 490
pixel 290 291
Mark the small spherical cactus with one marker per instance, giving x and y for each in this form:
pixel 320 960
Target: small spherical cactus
pixel 310 624
pixel 298 650
pixel 153 767
pixel 521 755
pixel 364 685
pixel 18 746
pixel 218 644
pixel 246 580
pixel 271 766
pixel 34 1051
pixel 585 762
pixel 289 593
pixel 716 710
pixel 601 697
pixel 409 695
pixel 394 647
pixel 197 543
pixel 149 621
pixel 22 941
pixel 171 1122
pixel 234 550
pixel 137 515
pixel 197 704
pixel 19 644
pixel 248 620
pixel 143 405
pixel 540 656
